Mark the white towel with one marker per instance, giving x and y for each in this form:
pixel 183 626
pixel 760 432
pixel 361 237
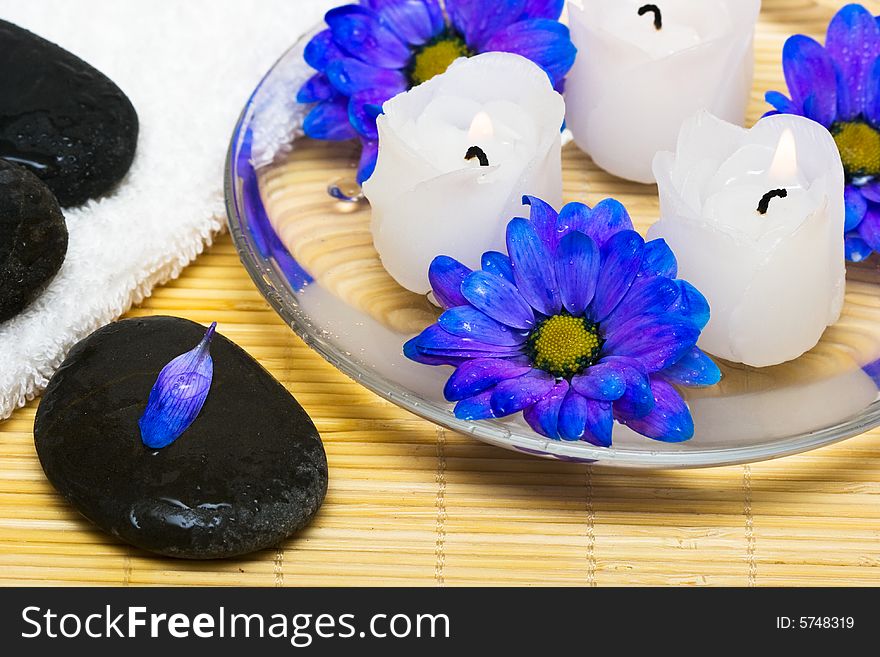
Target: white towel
pixel 188 68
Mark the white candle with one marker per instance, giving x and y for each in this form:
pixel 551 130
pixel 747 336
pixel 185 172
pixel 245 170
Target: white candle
pixel 633 84
pixel 456 156
pixel 773 272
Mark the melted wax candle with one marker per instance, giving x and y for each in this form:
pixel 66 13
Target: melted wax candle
pixel 456 156
pixel 643 69
pixel 755 218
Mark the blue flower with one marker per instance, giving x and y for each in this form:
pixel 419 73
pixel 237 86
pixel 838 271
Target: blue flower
pixel 839 87
pixel 581 324
pixel 376 49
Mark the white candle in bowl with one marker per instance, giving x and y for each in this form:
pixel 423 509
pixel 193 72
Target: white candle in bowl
pixel 755 218
pixel 642 69
pixel 456 156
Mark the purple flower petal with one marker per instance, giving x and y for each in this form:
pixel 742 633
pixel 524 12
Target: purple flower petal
pixel 577 265
pixel 478 20
pixel 853 44
pixel 368 161
pixel 322 50
pixel 781 102
pixel 360 33
pixel 608 218
pixel 811 79
pixel 638 400
pixel 602 382
pixel 872 99
pixel 654 343
pixel 434 341
pixel 572 422
pixel 691 305
pixel 468 322
pixel 514 395
pixel 315 90
pixel 349 76
pixel 856 248
pixel 551 9
pixel 414 21
pixel 476 408
pixel 621 262
pixel 659 260
pixel 364 109
pixel 476 376
pixel 499 299
pixel 869 228
pixel 600 423
pixel 545 42
pixel 411 351
pixel 544 220
pixel 533 267
pixel 695 369
pixel 543 417
pixel 498 264
pixel 329 120
pixel 856 207
pixel 178 395
pixel 647 296
pixel 871 191
pixel 669 422
pixel 446 276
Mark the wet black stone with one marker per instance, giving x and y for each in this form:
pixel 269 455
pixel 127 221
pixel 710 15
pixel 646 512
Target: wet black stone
pixel 33 238
pixel 64 120
pixel 249 472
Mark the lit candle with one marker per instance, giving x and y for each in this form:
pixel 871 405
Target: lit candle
pixel 642 69
pixel 755 218
pixel 456 156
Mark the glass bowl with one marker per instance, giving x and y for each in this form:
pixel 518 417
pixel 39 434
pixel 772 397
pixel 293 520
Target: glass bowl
pixel 324 279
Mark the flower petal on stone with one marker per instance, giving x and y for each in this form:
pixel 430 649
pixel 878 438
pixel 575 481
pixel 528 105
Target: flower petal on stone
pixel 468 322
pixel 533 267
pixel 514 395
pixel 478 20
pixel 498 264
pixel 499 299
pixel 414 21
pixel 446 276
pixel 545 42
pixel 621 262
pixel 329 121
pixel 695 369
pixel 669 422
pixel 543 417
pixel 577 265
pixel 654 343
pixel 178 395
pixel 358 31
pixel 476 376
pixel 603 382
pixel 659 260
pixel 853 43
pixel 856 207
pixel 811 78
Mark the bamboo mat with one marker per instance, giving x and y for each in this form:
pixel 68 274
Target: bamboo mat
pixel 411 504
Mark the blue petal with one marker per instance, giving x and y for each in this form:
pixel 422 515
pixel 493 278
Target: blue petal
pixel 603 382
pixel 446 276
pixel 359 32
pixel 411 351
pixel 869 228
pixel 545 42
pixel 316 89
pixel 659 260
pixel 322 50
pixel 811 78
pixel 781 102
pixel 577 271
pixel 694 369
pixel 414 21
pixel 498 264
pixel 608 218
pixel 872 100
pixel 476 376
pixel 669 422
pixel 543 417
pixel 692 304
pixel 544 219
pixel 364 109
pixel 600 423
pixel 514 395
pixel 857 249
pixel 178 395
pixel 871 191
pixel 621 262
pixel 349 76
pixel 638 400
pixel 434 341
pixel 468 322
pixel 475 408
pixel 551 9
pixel 853 43
pixel 654 343
pixel 856 207
pixel 498 299
pixel 329 120
pixel 647 296
pixel 478 20
pixel 533 267
pixel 368 161
pixel 572 417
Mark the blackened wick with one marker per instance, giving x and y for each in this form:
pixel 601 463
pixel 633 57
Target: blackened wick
pixel 475 152
pixel 764 205
pixel 654 9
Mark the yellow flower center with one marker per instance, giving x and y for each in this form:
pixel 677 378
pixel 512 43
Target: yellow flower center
pixel 436 57
pixel 564 346
pixel 859 146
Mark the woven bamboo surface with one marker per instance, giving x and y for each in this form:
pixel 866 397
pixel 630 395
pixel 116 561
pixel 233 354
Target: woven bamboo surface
pixel 411 504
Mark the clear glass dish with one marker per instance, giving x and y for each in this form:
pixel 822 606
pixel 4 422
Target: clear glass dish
pixel 335 296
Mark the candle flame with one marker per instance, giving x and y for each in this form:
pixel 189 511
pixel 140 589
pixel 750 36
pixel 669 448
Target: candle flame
pixel 785 164
pixel 481 127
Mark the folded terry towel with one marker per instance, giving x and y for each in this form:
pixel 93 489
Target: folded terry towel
pixel 188 68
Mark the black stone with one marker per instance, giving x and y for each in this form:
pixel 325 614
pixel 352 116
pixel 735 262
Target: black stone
pixel 249 472
pixel 33 238
pixel 64 120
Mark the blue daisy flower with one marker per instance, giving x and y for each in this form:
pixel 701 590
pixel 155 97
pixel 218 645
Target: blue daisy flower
pixel 838 85
pixel 376 49
pixel 583 323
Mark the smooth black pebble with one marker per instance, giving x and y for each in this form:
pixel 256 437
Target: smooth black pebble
pixel 64 120
pixel 33 238
pixel 248 473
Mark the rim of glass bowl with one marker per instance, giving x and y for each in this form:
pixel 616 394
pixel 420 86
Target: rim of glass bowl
pixel 275 288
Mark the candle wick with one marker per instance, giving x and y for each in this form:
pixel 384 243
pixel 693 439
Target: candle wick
pixel 475 152
pixel 653 9
pixel 764 205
